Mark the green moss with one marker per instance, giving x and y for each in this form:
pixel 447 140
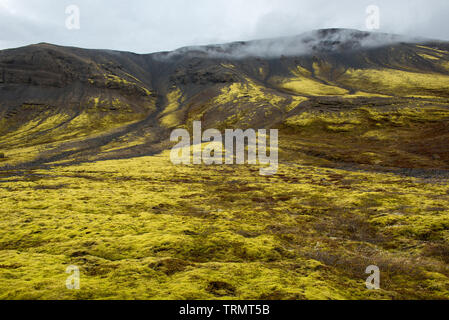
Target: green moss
pixel 396 82
pixel 145 229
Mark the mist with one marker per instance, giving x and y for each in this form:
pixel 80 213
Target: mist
pixel 318 40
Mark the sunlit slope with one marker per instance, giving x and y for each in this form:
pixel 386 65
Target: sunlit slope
pixel 394 137
pixel 404 70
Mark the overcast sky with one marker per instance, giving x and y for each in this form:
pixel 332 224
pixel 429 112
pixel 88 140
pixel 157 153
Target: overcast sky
pixel 146 26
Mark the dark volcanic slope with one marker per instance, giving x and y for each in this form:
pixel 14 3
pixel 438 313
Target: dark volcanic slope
pixel 67 103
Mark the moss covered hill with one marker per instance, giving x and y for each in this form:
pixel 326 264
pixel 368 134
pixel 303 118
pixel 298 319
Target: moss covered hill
pixel 86 180
pixel 74 103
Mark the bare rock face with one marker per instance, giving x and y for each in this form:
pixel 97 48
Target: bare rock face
pixel 211 76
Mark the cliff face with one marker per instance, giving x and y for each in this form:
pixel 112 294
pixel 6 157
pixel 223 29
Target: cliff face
pixel 64 98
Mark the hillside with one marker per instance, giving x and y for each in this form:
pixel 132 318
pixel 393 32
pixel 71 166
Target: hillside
pixel 78 104
pixel 85 176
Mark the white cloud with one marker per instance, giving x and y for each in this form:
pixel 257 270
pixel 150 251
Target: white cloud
pixel 152 25
pixel 7 5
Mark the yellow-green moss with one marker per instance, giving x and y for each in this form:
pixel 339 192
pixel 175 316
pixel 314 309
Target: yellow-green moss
pixel 145 229
pixel 396 82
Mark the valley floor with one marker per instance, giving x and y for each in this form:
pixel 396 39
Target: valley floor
pixel 143 228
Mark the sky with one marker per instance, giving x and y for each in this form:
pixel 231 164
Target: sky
pixel 146 26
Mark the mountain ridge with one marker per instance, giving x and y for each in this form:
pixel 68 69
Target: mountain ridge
pixel 318 34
